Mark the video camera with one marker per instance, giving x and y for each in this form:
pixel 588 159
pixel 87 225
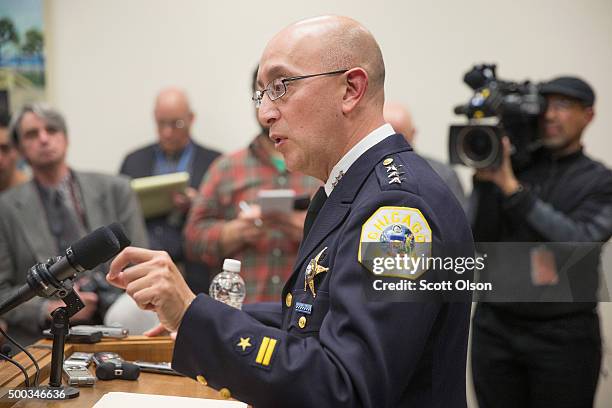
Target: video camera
pixel 497 108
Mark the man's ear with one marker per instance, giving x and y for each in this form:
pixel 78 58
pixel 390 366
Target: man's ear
pixel 356 87
pixel 589 114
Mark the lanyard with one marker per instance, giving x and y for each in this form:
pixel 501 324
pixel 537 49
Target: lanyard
pixel 165 166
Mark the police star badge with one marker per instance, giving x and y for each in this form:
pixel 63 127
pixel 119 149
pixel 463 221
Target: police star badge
pixel 312 270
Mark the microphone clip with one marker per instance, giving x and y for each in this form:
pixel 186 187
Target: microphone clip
pixel 46 284
pixel 73 305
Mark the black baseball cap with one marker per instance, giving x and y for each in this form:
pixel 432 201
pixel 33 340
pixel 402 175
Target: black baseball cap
pixel 570 86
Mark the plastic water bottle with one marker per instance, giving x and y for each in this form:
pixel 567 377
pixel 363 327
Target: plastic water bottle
pixel 228 286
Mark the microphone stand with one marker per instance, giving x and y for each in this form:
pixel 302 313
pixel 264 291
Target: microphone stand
pixel 60 329
pixel 53 279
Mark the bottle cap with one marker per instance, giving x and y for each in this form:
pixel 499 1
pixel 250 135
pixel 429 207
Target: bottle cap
pixel 231 265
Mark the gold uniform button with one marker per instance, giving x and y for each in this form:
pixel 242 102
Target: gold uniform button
pixel 202 380
pixel 302 322
pixel 288 300
pixel 225 393
pixel 387 161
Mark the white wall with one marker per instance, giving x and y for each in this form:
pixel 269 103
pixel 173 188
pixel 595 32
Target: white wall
pixel 107 59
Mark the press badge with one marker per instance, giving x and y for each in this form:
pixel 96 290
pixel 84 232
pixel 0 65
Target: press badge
pixel 543 267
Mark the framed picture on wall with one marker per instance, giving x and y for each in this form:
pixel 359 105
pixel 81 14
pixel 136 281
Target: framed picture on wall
pixel 22 57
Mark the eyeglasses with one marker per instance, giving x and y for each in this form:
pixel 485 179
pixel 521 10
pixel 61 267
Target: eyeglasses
pixel 278 87
pixel 172 124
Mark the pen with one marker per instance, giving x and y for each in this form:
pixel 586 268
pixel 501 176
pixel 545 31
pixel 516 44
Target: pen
pixel 246 208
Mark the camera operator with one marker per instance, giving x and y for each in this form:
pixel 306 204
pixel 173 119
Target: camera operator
pixel 543 354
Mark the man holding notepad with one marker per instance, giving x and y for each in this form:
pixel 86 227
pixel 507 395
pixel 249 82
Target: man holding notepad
pixel 174 152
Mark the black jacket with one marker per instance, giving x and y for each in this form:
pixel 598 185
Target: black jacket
pixel 567 199
pixel 140 163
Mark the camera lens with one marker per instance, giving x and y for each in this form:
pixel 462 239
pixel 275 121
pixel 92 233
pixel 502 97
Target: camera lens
pixel 478 146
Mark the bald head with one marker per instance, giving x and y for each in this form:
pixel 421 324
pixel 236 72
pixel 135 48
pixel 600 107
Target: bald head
pixel 330 43
pixel 174 118
pixel 174 98
pixel 398 116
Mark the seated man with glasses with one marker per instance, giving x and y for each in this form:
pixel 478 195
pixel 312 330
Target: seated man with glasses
pixel 174 151
pixel 328 343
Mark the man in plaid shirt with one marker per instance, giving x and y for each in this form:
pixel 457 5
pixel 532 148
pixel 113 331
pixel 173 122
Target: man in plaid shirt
pixel 217 228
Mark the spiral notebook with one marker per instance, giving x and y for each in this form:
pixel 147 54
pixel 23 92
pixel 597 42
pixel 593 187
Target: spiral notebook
pixel 155 192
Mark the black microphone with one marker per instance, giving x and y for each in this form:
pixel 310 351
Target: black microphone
pixel 117 370
pixel 479 75
pixel 52 277
pixel 119 233
pixel 461 109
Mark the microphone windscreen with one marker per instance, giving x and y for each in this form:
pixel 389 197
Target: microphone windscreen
pixel 461 110
pixel 130 371
pixel 475 79
pixel 95 248
pixel 110 371
pixel 119 232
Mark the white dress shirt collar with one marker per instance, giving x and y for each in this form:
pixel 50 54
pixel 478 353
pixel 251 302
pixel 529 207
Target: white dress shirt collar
pixel 356 151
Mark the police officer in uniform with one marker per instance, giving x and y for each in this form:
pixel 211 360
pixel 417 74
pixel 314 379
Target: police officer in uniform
pixel 326 345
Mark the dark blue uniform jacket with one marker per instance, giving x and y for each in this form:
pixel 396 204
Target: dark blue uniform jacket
pixel 341 349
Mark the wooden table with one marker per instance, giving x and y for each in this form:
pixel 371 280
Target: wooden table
pixel 132 348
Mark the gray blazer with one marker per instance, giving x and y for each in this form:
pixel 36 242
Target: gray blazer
pixel 449 176
pixel 25 238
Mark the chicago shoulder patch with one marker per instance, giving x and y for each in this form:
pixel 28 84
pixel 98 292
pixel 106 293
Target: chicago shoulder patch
pixel 395 241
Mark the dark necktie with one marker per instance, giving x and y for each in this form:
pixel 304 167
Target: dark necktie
pixel 313 210
pixel 62 221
